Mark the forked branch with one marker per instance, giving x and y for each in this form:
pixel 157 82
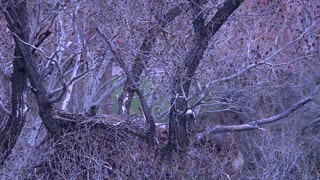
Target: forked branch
pixel 256 124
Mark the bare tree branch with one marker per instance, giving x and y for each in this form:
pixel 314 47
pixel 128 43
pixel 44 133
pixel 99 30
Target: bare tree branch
pixel 109 91
pixel 204 89
pixel 142 57
pixel 79 76
pixel 4 108
pixel 311 126
pixel 146 109
pixel 184 74
pixel 64 86
pixel 241 72
pixel 255 124
pixel 18 22
pixel 32 46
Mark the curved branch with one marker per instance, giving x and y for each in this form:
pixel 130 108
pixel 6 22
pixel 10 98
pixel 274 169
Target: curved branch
pixel 16 16
pixel 109 91
pixel 255 124
pixel 55 91
pixel 142 58
pixel 145 107
pixel 4 108
pixel 204 89
pixel 64 86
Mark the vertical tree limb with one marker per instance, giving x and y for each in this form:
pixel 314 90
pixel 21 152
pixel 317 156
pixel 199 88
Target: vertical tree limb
pixel 13 127
pixel 145 107
pixel 17 17
pixel 182 79
pixel 142 57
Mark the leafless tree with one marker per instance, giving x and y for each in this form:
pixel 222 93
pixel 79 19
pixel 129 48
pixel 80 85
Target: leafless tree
pixel 178 63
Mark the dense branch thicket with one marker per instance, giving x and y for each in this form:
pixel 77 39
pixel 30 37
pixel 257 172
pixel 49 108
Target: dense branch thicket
pixel 160 89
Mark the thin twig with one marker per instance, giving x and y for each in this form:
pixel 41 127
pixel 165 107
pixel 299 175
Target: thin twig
pixel 4 108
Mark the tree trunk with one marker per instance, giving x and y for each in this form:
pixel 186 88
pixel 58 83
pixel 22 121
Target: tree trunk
pixel 181 85
pixel 178 136
pixel 17 17
pixel 11 132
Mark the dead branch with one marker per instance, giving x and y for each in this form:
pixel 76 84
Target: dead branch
pixel 64 86
pixel 55 91
pixel 109 91
pixel 311 126
pixel 4 108
pixel 144 104
pixel 255 124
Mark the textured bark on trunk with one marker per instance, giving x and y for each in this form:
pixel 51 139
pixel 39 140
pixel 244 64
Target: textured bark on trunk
pixel 177 116
pixel 17 16
pixel 178 136
pixel 14 125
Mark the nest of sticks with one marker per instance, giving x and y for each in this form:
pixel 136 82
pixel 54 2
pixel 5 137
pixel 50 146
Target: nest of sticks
pixel 91 146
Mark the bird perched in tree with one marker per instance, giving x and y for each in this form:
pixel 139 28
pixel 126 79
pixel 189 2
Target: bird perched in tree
pixel 92 111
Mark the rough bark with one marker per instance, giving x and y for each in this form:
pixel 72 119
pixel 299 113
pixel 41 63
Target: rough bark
pixel 178 136
pixel 17 18
pixel 14 125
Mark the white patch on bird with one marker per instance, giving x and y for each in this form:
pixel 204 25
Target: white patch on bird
pixel 238 161
pixel 189 111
